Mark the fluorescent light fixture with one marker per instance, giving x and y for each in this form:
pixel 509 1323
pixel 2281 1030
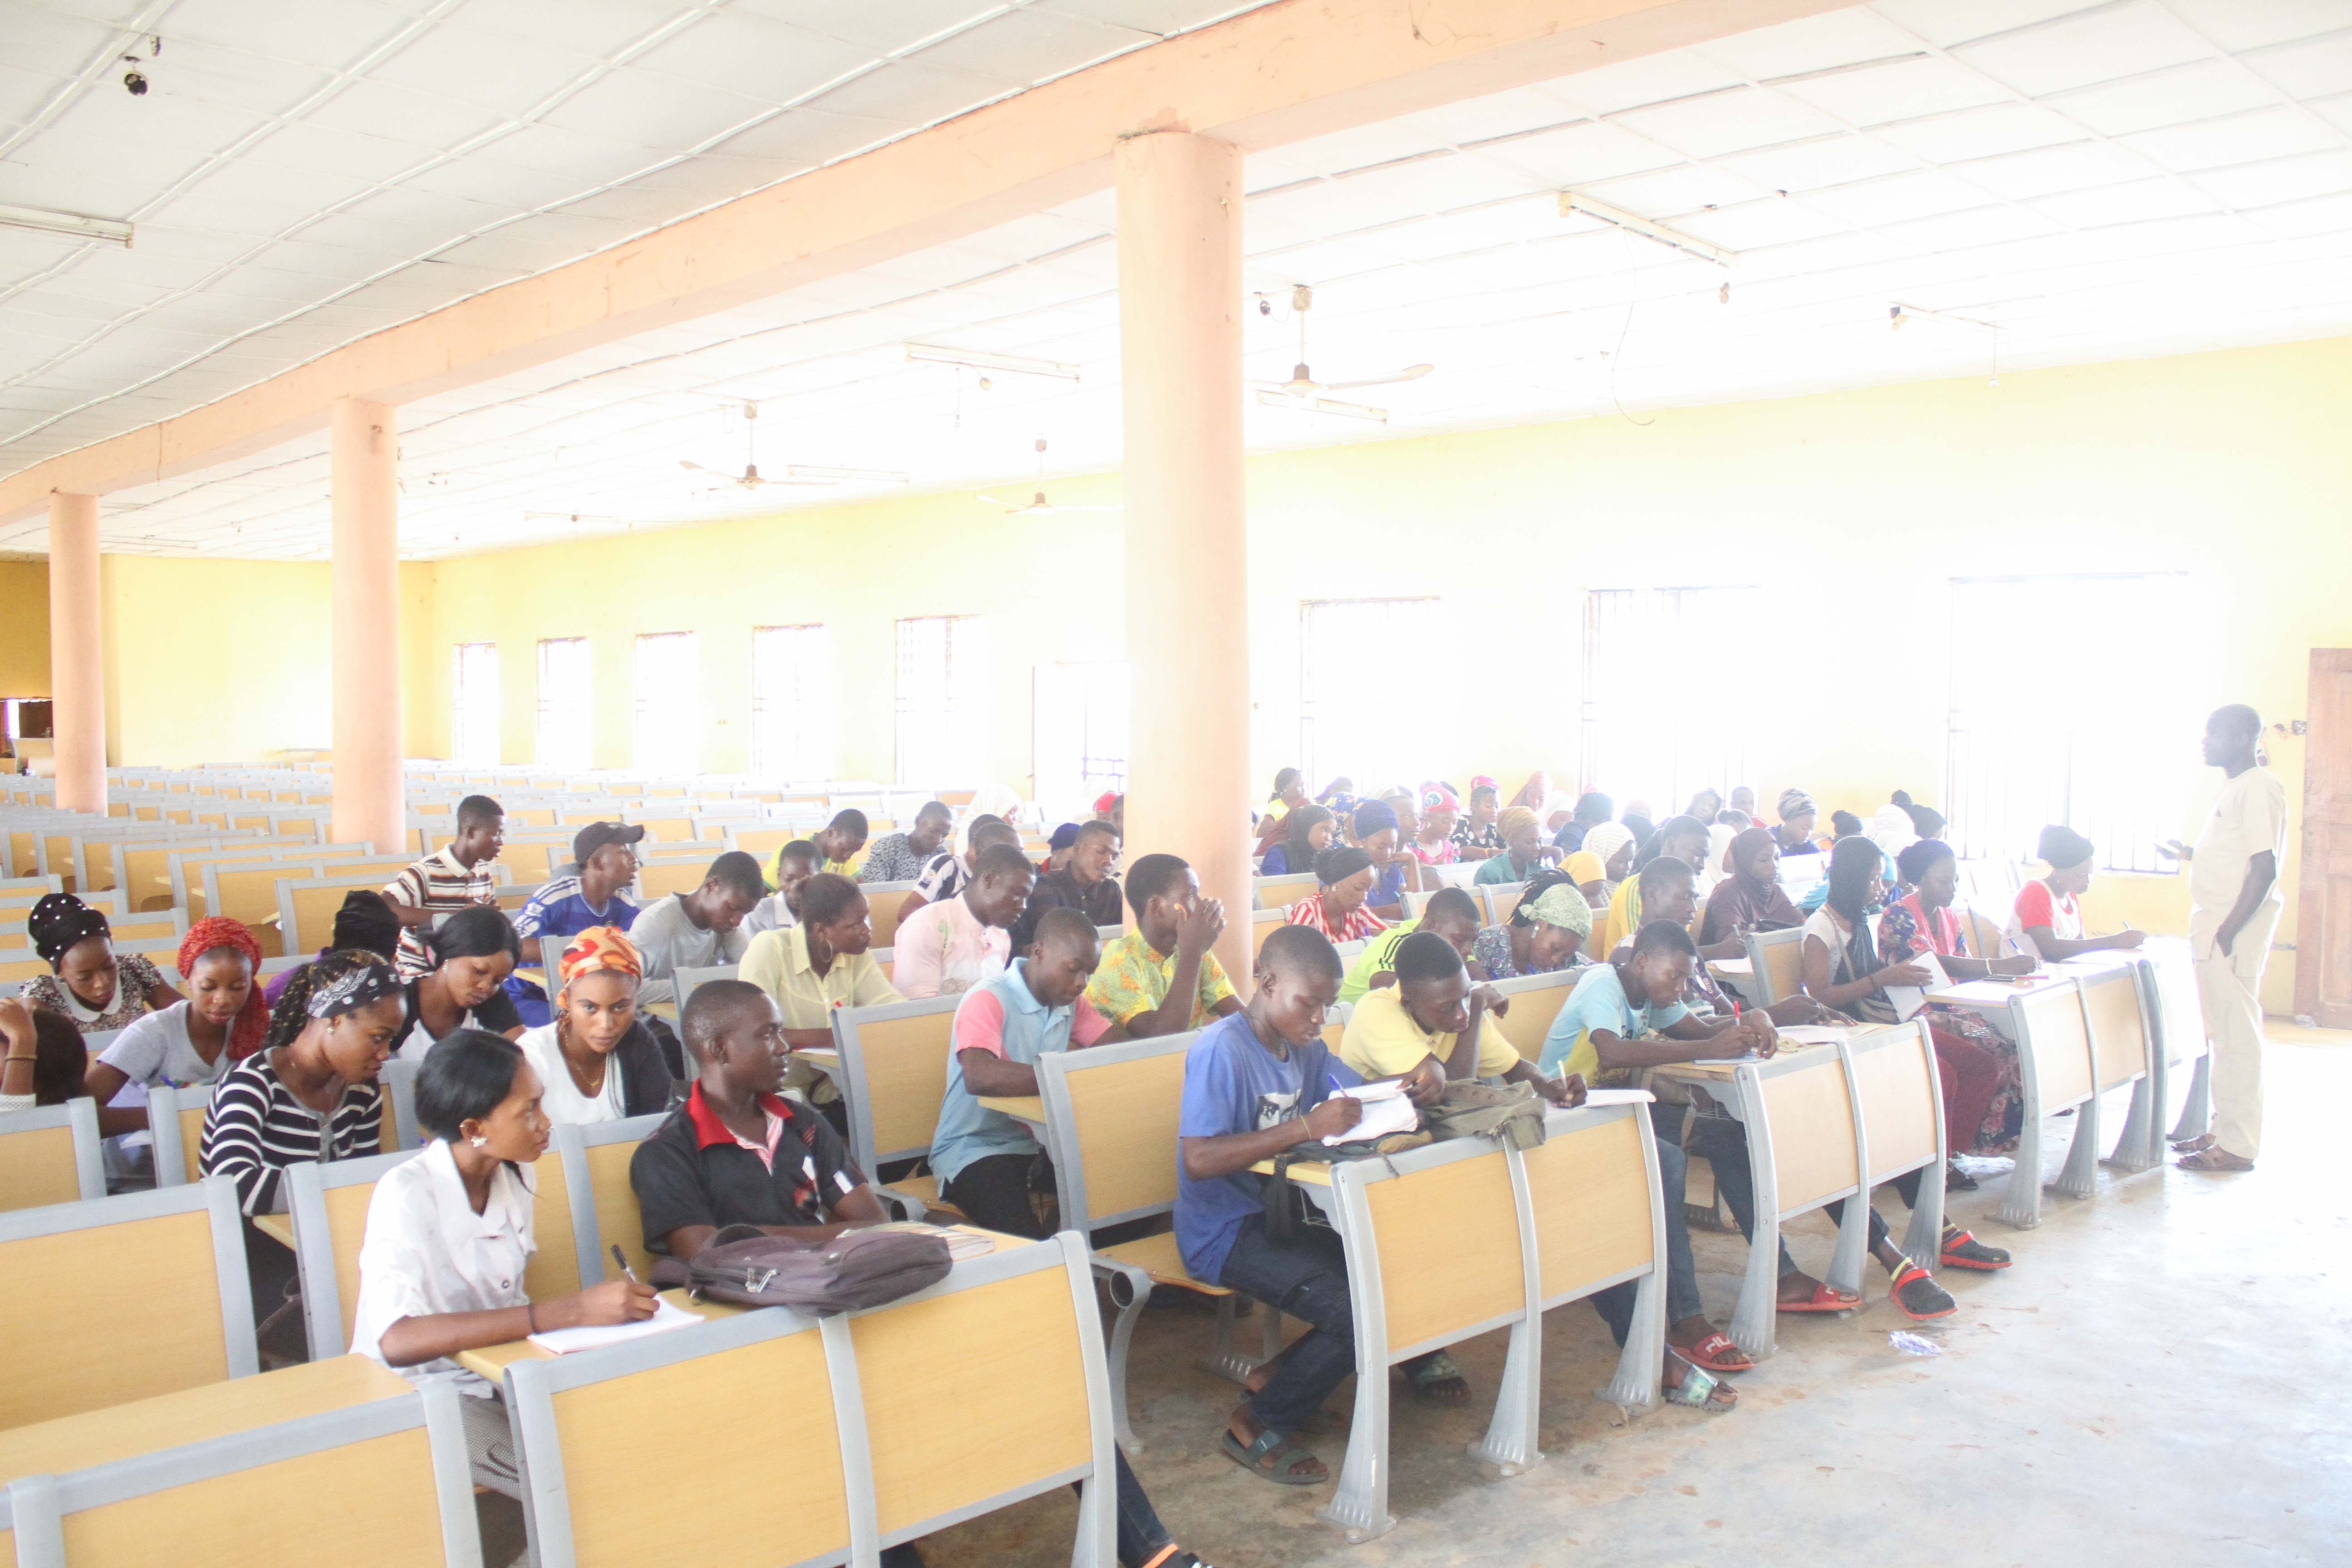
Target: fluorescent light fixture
pixel 845 475
pixel 976 360
pixel 1273 399
pixel 72 225
pixel 1570 201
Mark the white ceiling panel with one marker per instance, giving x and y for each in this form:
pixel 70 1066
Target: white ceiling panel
pixel 2090 180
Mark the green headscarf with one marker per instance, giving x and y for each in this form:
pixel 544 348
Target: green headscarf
pixel 1565 907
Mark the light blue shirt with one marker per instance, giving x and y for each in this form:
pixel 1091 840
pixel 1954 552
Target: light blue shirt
pixel 1598 1003
pixel 1001 1014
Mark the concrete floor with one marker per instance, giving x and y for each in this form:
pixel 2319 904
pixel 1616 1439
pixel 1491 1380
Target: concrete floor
pixel 2147 1384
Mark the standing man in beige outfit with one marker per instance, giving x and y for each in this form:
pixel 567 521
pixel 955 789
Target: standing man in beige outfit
pixel 2234 903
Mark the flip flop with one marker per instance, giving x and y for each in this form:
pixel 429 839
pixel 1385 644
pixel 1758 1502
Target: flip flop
pixel 2197 1145
pixel 1916 1295
pixel 1963 1250
pixel 1440 1368
pixel 1957 1181
pixel 1823 1300
pixel 1698 1388
pixel 2215 1160
pixel 1716 1353
pixel 1271 1444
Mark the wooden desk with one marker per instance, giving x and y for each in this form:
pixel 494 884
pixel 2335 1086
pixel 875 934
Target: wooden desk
pixel 532 977
pixel 195 1416
pixel 1803 1151
pixel 1025 1108
pixel 1733 969
pixel 279 1227
pixel 1306 1174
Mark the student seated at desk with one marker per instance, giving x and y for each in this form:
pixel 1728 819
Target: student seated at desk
pixel 311 1091
pixel 1433 842
pixel 1257 1084
pixel 2047 917
pixel 1680 838
pixel 1161 978
pixel 700 929
pixel 1547 928
pixel 363 923
pixel 597 1061
pixel 1375 828
pixel 1523 852
pixel 1451 913
pixel 1667 890
pixel 1977 1062
pixel 795 864
pixel 1305 833
pixel 88 985
pixel 945 874
pixel 1592 809
pixel 1082 883
pixel 987 1162
pixel 606 855
pixel 1749 898
pixel 810 969
pixel 1794 836
pixel 452 878
pixel 1435 1012
pixel 47 1061
pixel 467 959
pixel 952 946
pixel 450 1235
pixel 840 842
pixel 190 1042
pixel 1479 834
pixel 1343 878
pixel 1612 844
pixel 900 857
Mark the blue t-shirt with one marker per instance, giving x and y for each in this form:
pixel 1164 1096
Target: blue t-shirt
pixel 558 910
pixel 1598 1003
pixel 1388 888
pixel 1233 1084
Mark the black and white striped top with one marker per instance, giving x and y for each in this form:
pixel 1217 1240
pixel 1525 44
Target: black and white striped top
pixel 257 1128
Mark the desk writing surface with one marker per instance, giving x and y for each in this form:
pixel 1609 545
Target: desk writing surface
pixel 1029 1108
pixel 1731 968
pixel 824 1058
pixel 1721 1071
pixel 532 977
pixel 1315 1174
pixel 195 1416
pixel 1992 992
pixel 277 1227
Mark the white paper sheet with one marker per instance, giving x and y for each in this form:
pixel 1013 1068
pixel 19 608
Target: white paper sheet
pixel 1618 1097
pixel 1386 1110
pixel 1908 999
pixel 565 1341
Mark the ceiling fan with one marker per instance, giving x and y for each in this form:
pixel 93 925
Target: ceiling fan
pixel 1038 505
pixel 1303 391
pixel 751 478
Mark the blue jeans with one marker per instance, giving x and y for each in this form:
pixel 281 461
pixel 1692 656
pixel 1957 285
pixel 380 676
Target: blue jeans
pixel 1306 1276
pixel 1725 1143
pixel 1615 1304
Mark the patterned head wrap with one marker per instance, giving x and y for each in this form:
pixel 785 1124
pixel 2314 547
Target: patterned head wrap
pixel 1605 838
pixel 59 922
pixel 1439 797
pixel 1561 905
pixel 354 988
pixel 1796 803
pixel 600 948
pixel 210 935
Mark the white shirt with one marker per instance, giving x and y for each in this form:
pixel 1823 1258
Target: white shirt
pixel 560 1097
pixel 426 1251
pixel 770 914
pixel 2248 819
pixel 420 1039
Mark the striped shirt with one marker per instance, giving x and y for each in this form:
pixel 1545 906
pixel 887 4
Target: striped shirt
pixel 257 1128
pixel 439 882
pixel 1361 924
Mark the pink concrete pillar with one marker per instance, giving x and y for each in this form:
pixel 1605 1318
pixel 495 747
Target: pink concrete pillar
pixel 1180 294
pixel 368 804
pixel 77 658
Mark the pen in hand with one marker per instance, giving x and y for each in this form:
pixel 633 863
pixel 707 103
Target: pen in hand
pixel 626 1272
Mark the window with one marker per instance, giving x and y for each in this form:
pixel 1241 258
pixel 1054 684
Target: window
pixel 940 693
pixel 791 705
pixel 1078 736
pixel 565 721
pixel 474 719
pixel 1356 675
pixel 1663 717
pixel 2037 736
pixel 668 730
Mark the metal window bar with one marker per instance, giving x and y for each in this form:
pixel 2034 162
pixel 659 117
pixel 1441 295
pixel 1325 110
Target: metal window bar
pixel 473 708
pixel 792 723
pixel 937 703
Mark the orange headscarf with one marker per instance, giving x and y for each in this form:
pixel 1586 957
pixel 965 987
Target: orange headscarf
pixel 600 947
pixel 210 934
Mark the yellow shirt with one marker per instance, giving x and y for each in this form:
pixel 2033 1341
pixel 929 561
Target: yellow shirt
pixel 1132 978
pixel 1381 1040
pixel 1625 918
pixel 777 962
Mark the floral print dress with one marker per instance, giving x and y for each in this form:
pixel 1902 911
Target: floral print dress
pixel 1904 932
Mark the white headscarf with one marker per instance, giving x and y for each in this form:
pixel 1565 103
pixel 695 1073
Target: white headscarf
pixel 1893 830
pixel 990 799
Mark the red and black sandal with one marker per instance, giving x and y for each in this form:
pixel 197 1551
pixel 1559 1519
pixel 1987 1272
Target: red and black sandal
pixel 1961 1250
pixel 1823 1300
pixel 1917 1296
pixel 1716 1353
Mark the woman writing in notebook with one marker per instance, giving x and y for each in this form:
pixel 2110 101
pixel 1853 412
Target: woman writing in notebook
pixel 2047 917
pixel 1976 1062
pixel 449 1234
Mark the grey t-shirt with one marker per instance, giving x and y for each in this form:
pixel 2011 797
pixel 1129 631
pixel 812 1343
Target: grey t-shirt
pixel 669 942
pixel 155 1049
pixel 768 914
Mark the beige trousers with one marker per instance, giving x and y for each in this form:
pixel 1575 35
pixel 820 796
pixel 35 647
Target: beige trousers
pixel 2230 993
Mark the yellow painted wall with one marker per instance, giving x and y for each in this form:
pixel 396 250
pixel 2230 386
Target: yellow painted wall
pixel 24 628
pixel 2230 465
pixel 214 661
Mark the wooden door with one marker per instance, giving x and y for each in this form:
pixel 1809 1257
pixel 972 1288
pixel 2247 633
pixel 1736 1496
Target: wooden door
pixel 2322 967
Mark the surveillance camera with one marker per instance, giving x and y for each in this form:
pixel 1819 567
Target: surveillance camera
pixel 134 83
